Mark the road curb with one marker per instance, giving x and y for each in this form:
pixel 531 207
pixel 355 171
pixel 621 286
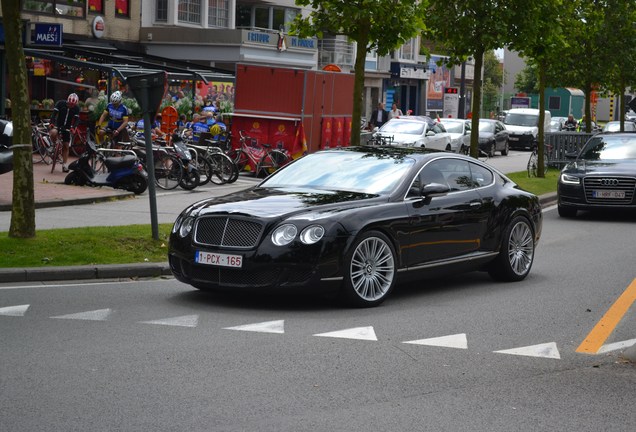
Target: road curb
pixel 86 272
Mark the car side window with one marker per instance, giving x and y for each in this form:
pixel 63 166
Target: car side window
pixel 480 175
pixel 437 128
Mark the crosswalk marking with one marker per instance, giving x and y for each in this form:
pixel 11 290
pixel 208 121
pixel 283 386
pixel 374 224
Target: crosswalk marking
pixel 361 333
pixel 180 321
pixel 263 327
pixel 546 350
pixel 96 315
pixel 451 341
pixel 14 310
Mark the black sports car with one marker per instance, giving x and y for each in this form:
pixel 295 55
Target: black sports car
pixel 356 219
pixel 601 175
pixel 493 136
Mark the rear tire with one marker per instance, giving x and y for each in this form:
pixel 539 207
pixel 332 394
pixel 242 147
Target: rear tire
pixel 516 254
pixel 136 184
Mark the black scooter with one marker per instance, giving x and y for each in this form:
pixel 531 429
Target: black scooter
pixel 123 172
pixel 6 141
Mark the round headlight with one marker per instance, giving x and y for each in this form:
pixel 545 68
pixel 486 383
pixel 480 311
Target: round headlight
pixel 186 227
pixel 177 224
pixel 312 234
pixel 284 234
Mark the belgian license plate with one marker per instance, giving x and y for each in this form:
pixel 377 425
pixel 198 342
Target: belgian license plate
pixel 617 194
pixel 513 138
pixel 218 259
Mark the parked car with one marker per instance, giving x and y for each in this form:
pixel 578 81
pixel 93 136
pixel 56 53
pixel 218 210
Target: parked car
pixel 556 124
pixel 630 115
pixel 523 126
pixel 601 175
pixel 416 131
pixel 356 218
pixel 493 137
pixel 6 143
pixel 459 130
pixel 615 126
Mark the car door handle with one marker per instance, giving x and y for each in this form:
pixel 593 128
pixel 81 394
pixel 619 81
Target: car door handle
pixel 475 204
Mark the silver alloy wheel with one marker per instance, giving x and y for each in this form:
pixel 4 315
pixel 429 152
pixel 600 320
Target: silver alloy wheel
pixel 520 248
pixel 372 269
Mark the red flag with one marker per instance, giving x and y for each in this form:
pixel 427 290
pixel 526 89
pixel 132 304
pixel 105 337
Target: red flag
pixel 438 119
pixel 299 148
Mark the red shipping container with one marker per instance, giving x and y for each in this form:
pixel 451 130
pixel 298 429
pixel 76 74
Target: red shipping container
pixel 337 137
pixel 326 132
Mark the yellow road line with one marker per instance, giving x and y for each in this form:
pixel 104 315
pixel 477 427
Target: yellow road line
pixel 599 334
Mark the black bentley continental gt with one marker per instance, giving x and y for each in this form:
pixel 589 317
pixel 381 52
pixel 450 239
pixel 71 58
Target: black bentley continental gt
pixel 601 176
pixel 358 219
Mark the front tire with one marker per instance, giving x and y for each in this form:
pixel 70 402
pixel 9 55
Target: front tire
pixel 74 178
pixel 370 274
pixel 516 254
pixel 506 149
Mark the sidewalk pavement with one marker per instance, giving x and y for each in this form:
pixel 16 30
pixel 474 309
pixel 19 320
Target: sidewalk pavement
pixel 50 191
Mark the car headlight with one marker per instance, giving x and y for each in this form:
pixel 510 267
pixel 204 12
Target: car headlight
pixel 177 224
pixel 186 226
pixel 312 234
pixel 284 234
pixel 570 179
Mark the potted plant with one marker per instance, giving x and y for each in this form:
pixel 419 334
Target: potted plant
pixel 48 103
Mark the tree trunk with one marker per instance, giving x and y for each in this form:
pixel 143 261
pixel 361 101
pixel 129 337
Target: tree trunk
pixel 588 107
pixel 476 105
pixel 23 204
pixel 362 40
pixel 541 132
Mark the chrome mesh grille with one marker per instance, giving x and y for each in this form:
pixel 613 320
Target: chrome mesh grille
pixel 227 232
pixel 625 184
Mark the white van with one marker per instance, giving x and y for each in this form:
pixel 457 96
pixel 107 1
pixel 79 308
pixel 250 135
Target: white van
pixel 523 126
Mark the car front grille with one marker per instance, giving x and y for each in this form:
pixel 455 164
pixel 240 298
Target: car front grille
pixel 625 184
pixel 228 232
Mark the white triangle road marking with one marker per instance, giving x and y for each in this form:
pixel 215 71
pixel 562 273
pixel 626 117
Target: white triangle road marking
pixel 96 315
pixel 362 333
pixel 263 327
pixel 616 346
pixel 451 341
pixel 14 310
pixel 181 321
pixel 546 350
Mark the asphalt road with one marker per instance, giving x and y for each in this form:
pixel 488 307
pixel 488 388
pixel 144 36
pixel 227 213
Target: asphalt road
pixel 455 354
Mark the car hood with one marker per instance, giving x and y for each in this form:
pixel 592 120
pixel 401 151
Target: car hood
pixel 272 203
pixel 522 129
pixel 618 167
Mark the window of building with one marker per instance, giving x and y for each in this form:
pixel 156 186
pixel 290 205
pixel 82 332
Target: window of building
pixel 96 6
pixel 243 16
pixel 189 11
pixel 261 17
pixel 122 8
pixel 218 13
pixel 407 51
pixel 67 8
pixel 161 11
pixel 554 103
pixel 265 17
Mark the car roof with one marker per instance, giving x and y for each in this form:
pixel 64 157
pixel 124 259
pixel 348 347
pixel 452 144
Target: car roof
pixel 415 119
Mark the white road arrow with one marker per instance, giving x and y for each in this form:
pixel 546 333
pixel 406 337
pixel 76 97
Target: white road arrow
pixel 96 315
pixel 181 321
pixel 616 346
pixel 263 327
pixel 546 350
pixel 451 341
pixel 14 310
pixel 362 333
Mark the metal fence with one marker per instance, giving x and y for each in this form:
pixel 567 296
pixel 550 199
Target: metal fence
pixel 558 144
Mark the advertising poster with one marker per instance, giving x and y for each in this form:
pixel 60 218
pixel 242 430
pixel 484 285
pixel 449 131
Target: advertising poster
pixel 440 78
pixel 217 90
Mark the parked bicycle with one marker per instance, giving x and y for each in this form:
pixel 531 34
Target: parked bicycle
pixel 168 170
pixel 533 161
pixel 42 144
pixel 265 159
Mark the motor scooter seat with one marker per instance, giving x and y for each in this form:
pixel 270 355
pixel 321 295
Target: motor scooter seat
pixel 117 162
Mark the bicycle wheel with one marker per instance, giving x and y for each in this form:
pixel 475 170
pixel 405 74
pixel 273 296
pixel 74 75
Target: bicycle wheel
pixel 240 158
pixel 533 164
pixel 39 148
pixel 57 155
pixel 77 145
pixel 271 162
pixel 223 169
pixel 205 171
pixel 168 171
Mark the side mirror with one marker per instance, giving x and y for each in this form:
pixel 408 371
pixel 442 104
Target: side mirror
pixel 430 133
pixel 434 189
pixel 571 155
pixel 375 129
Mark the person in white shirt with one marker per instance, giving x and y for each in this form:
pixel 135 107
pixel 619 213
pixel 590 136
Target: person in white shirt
pixel 395 111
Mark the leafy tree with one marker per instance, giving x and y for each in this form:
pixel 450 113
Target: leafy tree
pixel 492 82
pixel 471 28
pixel 527 80
pixel 381 25
pixel 23 209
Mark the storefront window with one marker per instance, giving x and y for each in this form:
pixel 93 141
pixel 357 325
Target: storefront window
pixel 190 11
pixel 96 6
pixel 122 8
pixel 218 13
pixel 68 8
